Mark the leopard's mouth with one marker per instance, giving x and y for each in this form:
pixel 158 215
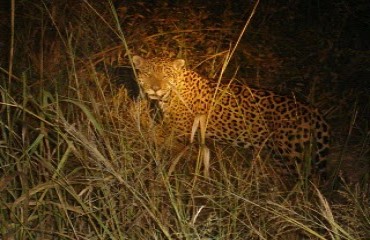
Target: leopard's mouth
pixel 154 97
pixel 157 95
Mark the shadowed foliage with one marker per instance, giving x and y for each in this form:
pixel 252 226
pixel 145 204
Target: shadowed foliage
pixel 83 154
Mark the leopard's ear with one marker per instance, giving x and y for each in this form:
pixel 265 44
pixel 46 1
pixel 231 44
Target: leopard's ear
pixel 138 61
pixel 178 63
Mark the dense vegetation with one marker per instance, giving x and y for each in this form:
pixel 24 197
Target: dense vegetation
pixel 83 155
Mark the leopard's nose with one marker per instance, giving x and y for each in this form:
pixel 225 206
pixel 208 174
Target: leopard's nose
pixel 155 88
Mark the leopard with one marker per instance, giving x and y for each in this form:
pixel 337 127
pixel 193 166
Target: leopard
pixel 237 114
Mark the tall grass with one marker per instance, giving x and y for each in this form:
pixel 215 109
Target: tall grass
pixel 79 159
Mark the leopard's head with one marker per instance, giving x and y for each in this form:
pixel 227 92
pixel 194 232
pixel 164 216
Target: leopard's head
pixel 158 76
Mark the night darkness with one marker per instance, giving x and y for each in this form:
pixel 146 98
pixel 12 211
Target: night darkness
pixel 83 154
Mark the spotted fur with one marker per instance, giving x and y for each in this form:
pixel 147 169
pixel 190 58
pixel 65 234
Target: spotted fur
pixel 237 114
